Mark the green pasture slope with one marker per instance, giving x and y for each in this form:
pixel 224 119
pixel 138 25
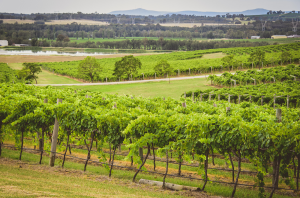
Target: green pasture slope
pixel 182 61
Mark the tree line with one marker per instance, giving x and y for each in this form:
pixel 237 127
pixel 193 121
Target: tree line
pixel 21 33
pixel 150 44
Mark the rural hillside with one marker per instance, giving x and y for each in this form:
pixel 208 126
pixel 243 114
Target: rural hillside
pixel 144 103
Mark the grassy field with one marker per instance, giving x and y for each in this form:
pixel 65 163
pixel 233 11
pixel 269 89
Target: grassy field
pixel 46 77
pixel 22 180
pixel 27 177
pixel 150 89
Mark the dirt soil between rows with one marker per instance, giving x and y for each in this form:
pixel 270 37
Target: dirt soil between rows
pixel 54 58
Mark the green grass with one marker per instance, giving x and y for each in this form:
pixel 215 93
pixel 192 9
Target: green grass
pixel 46 77
pixel 45 183
pixel 22 182
pixel 150 89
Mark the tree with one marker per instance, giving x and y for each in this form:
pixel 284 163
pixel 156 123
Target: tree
pixel 210 35
pixel 60 37
pixel 34 69
pixel 257 57
pixel 128 65
pixel 163 67
pixel 89 67
pixel 34 42
pixel 66 39
pixel 286 56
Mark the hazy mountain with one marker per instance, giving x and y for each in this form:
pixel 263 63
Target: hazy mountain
pixel 144 12
pixel 139 12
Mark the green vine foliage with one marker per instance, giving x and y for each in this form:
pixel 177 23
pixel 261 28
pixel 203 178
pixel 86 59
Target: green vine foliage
pixel 246 130
pixel 284 86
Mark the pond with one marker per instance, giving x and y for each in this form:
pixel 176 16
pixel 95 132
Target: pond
pixel 45 53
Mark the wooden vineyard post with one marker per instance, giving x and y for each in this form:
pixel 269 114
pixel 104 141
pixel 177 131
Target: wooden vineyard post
pixel 273 78
pixel 262 100
pixel 293 77
pixel 106 79
pixel 154 75
pixel 234 81
pixel 209 97
pixel 229 98
pixel 287 101
pixel 227 110
pixel 201 97
pixel 184 105
pixel 254 81
pixel 239 98
pixel 218 97
pixel 193 96
pixel 278 115
pixel 54 139
pixel 250 97
pixel 274 100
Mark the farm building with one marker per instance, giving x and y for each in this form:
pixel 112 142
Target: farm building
pixel 294 36
pixel 3 43
pixel 278 36
pixel 255 37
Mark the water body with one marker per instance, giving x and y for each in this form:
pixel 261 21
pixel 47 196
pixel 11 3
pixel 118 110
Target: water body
pixel 45 53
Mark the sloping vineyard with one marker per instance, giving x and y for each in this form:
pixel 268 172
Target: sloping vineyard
pixel 268 138
pixel 186 63
pixel 277 74
pixel 273 86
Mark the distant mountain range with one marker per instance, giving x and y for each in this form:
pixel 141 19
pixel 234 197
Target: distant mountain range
pixel 143 12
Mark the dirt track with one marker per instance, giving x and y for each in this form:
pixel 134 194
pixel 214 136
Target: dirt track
pixel 33 58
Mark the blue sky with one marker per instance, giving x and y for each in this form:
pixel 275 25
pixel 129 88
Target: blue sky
pixel 106 6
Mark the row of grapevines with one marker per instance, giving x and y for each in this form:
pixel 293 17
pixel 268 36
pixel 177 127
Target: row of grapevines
pixel 182 61
pixel 244 130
